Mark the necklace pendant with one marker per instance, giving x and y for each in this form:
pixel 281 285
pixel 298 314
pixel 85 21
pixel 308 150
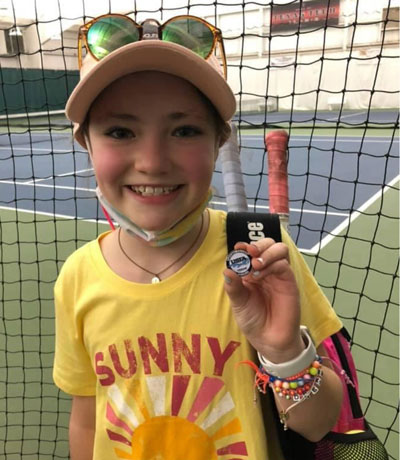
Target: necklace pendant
pixel 155 280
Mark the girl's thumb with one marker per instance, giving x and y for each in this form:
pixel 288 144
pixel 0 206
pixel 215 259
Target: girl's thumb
pixel 235 289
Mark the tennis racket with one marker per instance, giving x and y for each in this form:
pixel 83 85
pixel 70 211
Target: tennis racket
pixel 276 144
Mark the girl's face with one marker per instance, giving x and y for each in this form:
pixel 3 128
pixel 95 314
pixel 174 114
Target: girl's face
pixel 153 145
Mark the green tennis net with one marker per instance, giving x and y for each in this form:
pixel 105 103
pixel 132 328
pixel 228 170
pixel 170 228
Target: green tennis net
pixel 323 70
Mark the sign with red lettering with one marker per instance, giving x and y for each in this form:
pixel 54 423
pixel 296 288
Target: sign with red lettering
pixel 302 15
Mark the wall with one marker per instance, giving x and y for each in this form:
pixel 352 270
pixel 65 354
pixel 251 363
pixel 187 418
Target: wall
pixel 34 90
pixel 313 68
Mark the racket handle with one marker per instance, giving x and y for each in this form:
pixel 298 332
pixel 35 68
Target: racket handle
pixel 232 173
pixel 276 143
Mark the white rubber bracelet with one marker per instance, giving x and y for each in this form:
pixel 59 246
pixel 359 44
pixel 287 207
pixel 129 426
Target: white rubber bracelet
pixel 294 366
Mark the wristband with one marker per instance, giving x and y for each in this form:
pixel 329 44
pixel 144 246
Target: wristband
pixel 294 366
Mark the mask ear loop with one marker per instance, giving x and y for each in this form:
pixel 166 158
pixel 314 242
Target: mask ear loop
pixel 108 217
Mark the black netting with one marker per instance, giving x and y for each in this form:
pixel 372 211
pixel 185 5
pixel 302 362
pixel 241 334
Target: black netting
pixel 331 82
pixel 361 450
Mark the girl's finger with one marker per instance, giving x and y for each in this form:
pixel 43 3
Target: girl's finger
pixel 274 253
pixel 237 292
pixel 256 247
pixel 280 268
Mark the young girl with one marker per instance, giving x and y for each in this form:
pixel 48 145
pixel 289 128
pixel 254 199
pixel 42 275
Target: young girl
pixel 150 325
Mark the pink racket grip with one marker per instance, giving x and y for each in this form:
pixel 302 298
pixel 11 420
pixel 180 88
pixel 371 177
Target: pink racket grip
pixel 276 143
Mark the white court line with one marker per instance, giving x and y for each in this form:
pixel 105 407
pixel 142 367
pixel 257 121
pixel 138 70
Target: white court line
pixel 350 139
pixel 35 181
pixel 50 214
pixel 305 211
pixel 62 187
pixel 27 149
pixel 74 172
pixel 345 116
pixel 42 133
pixel 32 115
pixel 353 216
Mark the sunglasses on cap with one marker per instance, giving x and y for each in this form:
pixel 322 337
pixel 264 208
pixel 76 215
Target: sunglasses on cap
pixel 107 33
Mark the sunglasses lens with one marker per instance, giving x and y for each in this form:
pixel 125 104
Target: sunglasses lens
pixel 110 33
pixel 191 34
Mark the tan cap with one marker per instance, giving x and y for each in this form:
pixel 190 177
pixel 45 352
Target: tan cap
pixel 205 75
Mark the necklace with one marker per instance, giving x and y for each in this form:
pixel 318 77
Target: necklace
pixel 156 276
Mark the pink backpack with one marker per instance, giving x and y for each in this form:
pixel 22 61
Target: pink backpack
pixel 338 350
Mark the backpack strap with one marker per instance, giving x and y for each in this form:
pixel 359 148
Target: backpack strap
pixel 247 227
pixel 344 359
pixel 251 226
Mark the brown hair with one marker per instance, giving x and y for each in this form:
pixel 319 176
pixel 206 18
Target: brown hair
pixel 223 128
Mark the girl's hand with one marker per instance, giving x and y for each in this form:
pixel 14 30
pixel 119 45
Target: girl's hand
pixel 266 302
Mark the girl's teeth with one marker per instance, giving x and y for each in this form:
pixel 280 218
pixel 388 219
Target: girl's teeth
pixel 152 191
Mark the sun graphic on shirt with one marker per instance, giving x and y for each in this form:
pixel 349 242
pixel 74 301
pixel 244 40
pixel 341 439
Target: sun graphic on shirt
pixel 207 430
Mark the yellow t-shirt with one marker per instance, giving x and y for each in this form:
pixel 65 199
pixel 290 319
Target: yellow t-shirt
pixel 161 359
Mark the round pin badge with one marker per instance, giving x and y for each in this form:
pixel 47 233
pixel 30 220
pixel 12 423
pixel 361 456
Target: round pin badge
pixel 239 261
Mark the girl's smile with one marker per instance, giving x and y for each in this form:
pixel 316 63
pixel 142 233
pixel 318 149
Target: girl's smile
pixel 157 194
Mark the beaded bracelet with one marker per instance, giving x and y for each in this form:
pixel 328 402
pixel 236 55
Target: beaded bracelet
pixel 298 387
pixel 294 387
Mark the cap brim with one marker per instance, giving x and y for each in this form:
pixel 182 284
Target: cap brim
pixel 157 56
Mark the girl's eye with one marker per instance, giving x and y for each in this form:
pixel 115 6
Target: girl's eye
pixel 187 131
pixel 120 133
